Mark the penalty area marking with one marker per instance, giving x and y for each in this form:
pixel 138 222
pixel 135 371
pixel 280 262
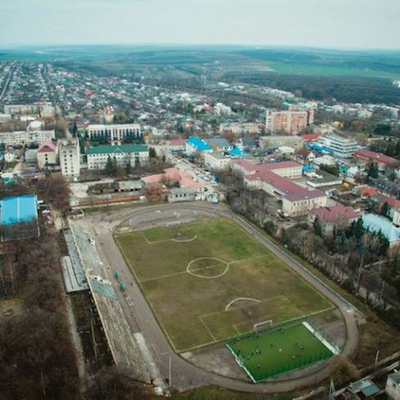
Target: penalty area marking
pixel 241 299
pixel 168 240
pixel 207 258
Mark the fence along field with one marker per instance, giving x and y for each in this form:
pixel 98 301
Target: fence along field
pixel 208 280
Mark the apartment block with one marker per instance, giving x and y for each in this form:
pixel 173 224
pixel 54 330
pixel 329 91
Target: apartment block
pixel 70 157
pixel 291 122
pixel 21 138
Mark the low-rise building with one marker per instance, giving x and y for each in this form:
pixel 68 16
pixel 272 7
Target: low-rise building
pixel 272 142
pixel 196 145
pixel 383 161
pixel 181 194
pixel 276 179
pixel 220 144
pixel 378 224
pixel 114 132
pixel 339 216
pixel 47 155
pixel 136 154
pixel 216 161
pixel 392 388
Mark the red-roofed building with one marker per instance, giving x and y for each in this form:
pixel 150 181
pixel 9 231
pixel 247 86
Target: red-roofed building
pixel 311 137
pixel 382 160
pixel 276 179
pixel 368 192
pixel 329 217
pixel 176 144
pixel 47 155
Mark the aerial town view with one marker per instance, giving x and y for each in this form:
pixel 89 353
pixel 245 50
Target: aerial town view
pixel 199 201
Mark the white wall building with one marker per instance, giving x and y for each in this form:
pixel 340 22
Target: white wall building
pixel 340 146
pixel 47 155
pixel 21 138
pixel 216 161
pixel 70 157
pixel 97 156
pixel 114 132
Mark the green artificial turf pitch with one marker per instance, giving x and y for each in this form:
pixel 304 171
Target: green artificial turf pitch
pixel 278 351
pixel 209 280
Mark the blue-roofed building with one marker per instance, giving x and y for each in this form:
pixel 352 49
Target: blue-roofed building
pixel 375 223
pixel 17 210
pixel 197 145
pixel 237 152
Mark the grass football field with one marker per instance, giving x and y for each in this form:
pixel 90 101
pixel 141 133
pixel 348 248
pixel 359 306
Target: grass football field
pixel 208 280
pixel 278 351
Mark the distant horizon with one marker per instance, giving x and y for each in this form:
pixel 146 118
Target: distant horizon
pixel 20 46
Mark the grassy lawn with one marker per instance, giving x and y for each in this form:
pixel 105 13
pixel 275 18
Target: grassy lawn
pixel 278 351
pixel 327 70
pixel 209 280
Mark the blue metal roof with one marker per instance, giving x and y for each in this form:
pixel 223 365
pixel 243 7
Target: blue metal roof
pixel 237 152
pixel 375 223
pixel 14 210
pixel 199 144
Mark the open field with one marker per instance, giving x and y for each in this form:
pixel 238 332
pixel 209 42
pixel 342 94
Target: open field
pixel 208 280
pixel 278 351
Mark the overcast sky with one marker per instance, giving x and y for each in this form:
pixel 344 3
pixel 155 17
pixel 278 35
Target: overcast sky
pixel 321 23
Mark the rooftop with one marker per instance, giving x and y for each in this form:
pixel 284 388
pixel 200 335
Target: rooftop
pixel 18 209
pixel 378 157
pixel 375 223
pixel 123 148
pixel 47 147
pixel 198 143
pixel 335 213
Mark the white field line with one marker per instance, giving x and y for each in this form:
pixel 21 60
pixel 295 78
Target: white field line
pixel 167 240
pixel 241 299
pixel 208 329
pixel 203 276
pixel 262 301
pixel 321 338
pixel 178 273
pixel 200 268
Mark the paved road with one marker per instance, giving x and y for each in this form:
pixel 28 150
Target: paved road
pixel 5 87
pixel 184 374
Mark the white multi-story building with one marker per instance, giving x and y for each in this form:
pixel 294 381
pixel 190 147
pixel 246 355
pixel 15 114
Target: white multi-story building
pixel 21 138
pixel 136 154
pixel 70 157
pixel 340 146
pixel 239 128
pixel 114 132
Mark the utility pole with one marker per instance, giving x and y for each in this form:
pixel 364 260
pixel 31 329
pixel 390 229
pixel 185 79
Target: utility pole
pixel 170 372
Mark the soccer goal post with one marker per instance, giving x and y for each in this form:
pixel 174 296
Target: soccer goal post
pixel 260 326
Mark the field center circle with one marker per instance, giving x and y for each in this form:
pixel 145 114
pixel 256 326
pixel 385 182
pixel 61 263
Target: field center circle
pixel 204 276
